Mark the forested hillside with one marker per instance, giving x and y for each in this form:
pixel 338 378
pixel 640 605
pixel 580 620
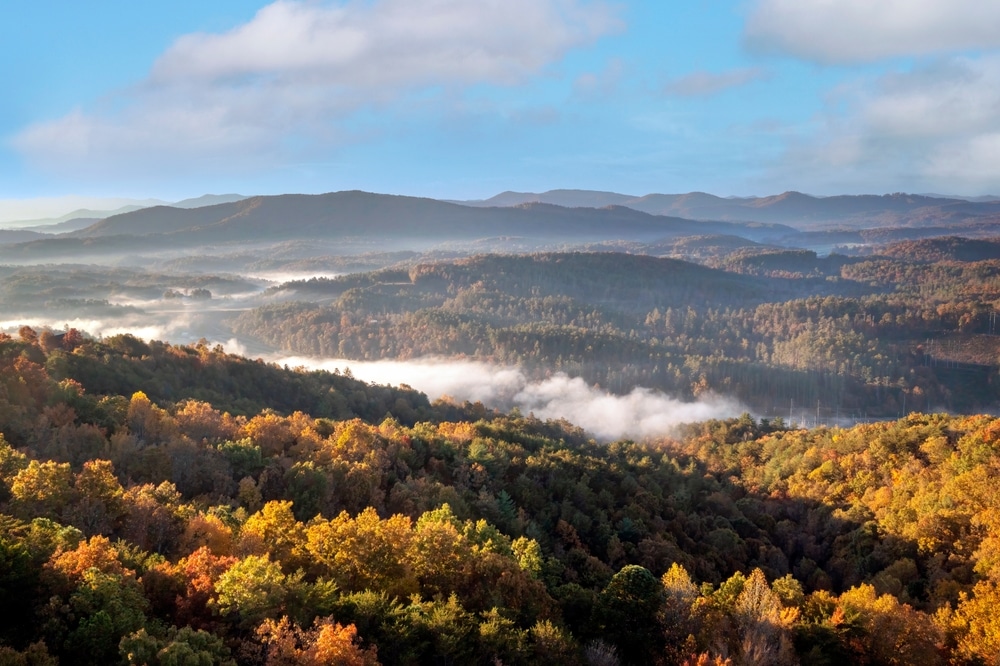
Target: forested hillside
pixel 776 328
pixel 142 524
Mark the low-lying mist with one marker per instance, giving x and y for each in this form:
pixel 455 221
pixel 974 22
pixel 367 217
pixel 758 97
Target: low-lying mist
pixel 639 414
pixel 102 327
pixel 279 277
pixel 187 323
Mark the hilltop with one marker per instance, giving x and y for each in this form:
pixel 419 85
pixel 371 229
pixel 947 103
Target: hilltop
pixel 793 208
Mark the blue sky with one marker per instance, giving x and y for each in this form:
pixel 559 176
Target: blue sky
pixel 467 98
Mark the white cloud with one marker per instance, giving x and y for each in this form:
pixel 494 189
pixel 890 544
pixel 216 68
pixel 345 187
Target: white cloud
pixel 969 163
pixel 703 82
pixel 852 31
pixel 944 98
pixel 391 43
pixel 284 83
pixel 934 127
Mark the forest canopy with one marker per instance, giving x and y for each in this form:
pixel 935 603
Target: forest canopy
pixel 861 336
pixel 143 525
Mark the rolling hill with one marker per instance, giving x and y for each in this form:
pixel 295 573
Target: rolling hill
pixel 364 214
pixel 391 221
pixel 794 208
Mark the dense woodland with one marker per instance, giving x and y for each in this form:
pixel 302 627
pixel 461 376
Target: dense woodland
pixel 910 325
pixel 168 504
pixel 914 328
pixel 274 516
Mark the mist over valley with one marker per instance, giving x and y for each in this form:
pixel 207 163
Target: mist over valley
pixel 649 314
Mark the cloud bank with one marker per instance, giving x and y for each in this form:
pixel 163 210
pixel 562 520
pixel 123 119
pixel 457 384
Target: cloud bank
pixel 933 127
pixel 639 414
pixel 857 31
pixel 926 122
pixel 389 45
pixel 287 83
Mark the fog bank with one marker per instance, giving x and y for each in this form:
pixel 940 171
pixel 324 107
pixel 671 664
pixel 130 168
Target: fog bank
pixel 638 414
pixel 280 277
pixel 105 327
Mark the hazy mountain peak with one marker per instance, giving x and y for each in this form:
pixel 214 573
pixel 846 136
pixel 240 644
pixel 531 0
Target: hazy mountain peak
pixel 208 200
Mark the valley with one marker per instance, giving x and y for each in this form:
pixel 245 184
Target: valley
pixel 621 300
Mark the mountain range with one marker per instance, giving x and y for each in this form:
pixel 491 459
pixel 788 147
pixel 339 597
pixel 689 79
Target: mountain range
pixel 363 214
pixel 559 218
pixel 83 217
pixel 793 208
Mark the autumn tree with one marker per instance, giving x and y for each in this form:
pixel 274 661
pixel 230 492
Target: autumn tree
pixel 253 589
pixel 365 552
pixel 326 642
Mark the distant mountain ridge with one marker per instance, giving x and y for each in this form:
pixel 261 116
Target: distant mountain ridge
pixel 353 217
pixel 802 211
pixel 10 236
pixel 208 200
pixel 58 223
pixel 394 222
pixel 363 214
pixel 793 208
pixel 72 221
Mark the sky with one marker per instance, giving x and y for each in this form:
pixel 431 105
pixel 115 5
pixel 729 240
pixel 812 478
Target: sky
pixel 463 99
